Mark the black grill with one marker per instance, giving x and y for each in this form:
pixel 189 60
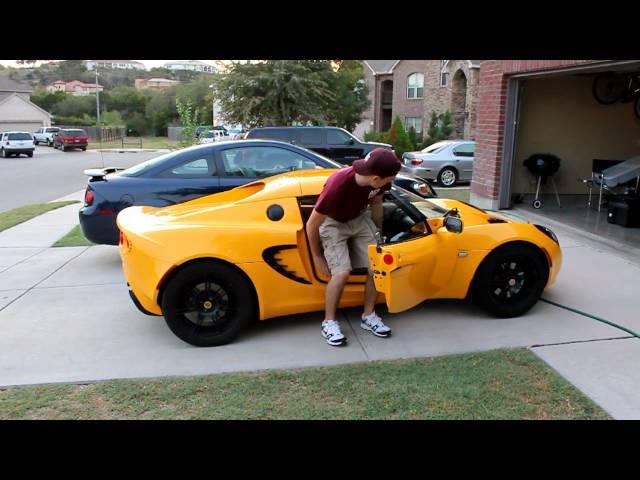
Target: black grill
pixel 542 164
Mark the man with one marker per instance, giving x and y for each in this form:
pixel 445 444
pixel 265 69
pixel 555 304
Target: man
pixel 340 220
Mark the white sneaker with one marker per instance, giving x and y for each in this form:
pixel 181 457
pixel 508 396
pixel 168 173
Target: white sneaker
pixel 373 323
pixel 331 331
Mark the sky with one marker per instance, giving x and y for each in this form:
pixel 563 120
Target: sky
pixel 147 63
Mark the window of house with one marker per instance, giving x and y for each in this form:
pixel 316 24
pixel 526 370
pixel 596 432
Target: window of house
pixel 444 74
pixel 415 122
pixel 415 85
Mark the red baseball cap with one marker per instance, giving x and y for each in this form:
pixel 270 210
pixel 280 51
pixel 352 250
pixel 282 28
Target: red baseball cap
pixel 380 161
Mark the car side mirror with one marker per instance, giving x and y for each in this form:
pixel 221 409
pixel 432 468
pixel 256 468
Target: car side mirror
pixel 351 141
pixel 454 224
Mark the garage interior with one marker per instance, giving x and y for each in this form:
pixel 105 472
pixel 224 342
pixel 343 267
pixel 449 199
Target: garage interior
pixel 558 114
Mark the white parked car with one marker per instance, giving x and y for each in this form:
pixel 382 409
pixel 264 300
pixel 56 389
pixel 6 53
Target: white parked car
pixel 45 135
pixel 213 136
pixel 15 143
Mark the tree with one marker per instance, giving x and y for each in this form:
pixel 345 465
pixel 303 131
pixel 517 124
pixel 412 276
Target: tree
pixel 160 110
pixel 47 100
pixel 275 92
pixel 398 137
pixel 440 128
pixel 188 120
pixel 200 95
pixel 351 95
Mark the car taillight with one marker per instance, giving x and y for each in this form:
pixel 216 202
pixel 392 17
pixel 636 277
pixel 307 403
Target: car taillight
pixel 88 197
pixel 416 161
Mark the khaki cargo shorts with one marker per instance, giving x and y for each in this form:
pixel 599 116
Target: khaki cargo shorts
pixel 346 244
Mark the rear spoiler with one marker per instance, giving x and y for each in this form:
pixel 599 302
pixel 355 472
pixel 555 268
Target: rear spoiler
pixel 100 173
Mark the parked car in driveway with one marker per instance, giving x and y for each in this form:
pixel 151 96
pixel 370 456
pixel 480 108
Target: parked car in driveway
pixel 71 138
pixel 45 135
pixel 447 162
pixel 15 143
pixel 193 172
pixel 333 142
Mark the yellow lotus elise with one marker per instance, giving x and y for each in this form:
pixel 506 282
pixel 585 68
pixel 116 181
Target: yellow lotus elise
pixel 211 265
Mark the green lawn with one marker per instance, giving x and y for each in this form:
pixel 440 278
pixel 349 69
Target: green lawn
pixel 11 218
pixel 133 142
pixel 463 195
pixel 75 238
pixel 499 384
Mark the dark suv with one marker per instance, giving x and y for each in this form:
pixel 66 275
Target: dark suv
pixel 332 142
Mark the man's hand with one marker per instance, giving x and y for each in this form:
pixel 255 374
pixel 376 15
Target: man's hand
pixel 321 263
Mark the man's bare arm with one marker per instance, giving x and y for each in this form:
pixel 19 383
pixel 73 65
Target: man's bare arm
pixel 313 233
pixel 377 212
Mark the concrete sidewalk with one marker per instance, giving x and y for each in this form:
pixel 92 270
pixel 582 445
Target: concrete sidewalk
pixel 65 316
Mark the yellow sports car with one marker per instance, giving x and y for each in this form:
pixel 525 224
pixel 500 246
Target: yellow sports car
pixel 211 265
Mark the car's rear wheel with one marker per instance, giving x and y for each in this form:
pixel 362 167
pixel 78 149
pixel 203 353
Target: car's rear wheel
pixel 4 153
pixel 510 280
pixel 35 142
pixel 63 148
pixel 30 154
pixel 50 143
pixel 208 304
pixel 447 177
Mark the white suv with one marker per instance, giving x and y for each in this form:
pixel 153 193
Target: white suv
pixel 15 143
pixel 45 135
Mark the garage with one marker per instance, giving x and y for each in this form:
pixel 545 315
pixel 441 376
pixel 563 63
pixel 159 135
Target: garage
pixel 17 112
pixel 552 113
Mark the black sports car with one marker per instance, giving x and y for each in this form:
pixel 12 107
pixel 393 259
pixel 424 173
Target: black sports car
pixel 194 172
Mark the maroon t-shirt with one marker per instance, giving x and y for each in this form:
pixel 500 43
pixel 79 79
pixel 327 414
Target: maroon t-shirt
pixel 343 199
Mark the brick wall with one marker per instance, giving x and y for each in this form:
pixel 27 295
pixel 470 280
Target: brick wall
pixel 489 122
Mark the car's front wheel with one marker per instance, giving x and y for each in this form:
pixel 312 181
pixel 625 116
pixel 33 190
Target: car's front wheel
pixel 447 177
pixel 510 280
pixel 208 304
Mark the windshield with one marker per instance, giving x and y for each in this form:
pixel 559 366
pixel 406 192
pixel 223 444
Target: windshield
pixel 19 136
pixel 74 133
pixel 417 205
pixel 435 148
pixel 148 165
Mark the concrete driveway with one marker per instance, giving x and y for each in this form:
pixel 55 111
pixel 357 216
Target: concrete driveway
pixel 65 316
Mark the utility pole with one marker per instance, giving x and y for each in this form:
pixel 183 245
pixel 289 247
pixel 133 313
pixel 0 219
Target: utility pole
pixel 98 106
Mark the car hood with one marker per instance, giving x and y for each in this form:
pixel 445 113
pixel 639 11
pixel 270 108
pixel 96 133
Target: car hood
pixel 472 215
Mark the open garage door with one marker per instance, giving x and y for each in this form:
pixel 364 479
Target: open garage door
pixel 558 113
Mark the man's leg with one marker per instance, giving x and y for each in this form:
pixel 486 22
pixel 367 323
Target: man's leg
pixel 334 293
pixel 370 296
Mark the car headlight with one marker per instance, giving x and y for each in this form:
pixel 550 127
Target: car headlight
pixel 421 188
pixel 548 233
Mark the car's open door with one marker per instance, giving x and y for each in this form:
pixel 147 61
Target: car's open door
pixel 409 272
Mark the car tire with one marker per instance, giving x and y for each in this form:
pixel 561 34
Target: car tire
pixel 447 177
pixel 63 148
pixel 30 154
pixel 3 153
pixel 208 292
pixel 50 144
pixel 84 149
pixel 510 280
pixel 36 143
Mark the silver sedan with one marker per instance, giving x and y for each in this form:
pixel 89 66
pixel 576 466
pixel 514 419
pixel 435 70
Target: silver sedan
pixel 447 162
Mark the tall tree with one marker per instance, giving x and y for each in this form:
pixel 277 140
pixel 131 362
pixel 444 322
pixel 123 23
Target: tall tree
pixel 351 95
pixel 275 92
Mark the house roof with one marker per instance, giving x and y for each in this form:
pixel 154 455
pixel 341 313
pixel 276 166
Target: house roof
pixel 381 66
pixel 8 85
pixel 188 62
pixel 386 66
pixel 5 96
